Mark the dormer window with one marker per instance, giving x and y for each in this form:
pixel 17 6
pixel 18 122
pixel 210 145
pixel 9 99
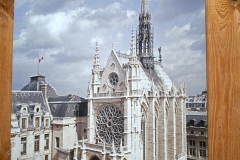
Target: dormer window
pixel 36 108
pixel 24 110
pixel 192 122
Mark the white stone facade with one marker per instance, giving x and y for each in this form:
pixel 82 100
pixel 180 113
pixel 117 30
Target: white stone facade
pixel 31 133
pixel 134 110
pixel 153 113
pixel 65 132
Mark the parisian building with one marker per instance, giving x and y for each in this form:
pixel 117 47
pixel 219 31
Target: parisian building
pixel 198 102
pixel 69 124
pixel 46 126
pixel 134 109
pixel 31 132
pixel 197 126
pixel 197 135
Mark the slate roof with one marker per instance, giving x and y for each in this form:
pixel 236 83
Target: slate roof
pixel 197 119
pixel 68 106
pixel 29 98
pixel 35 82
pixel 158 75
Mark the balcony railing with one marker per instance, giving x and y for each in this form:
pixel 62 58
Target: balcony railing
pixel 119 94
pixel 99 148
pixel 109 94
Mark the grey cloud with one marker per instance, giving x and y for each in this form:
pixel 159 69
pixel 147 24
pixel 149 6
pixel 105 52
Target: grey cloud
pixel 199 45
pixel 170 9
pixel 47 7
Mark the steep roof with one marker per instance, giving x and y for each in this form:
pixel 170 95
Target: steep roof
pixel 197 116
pixel 158 75
pixel 68 106
pixel 29 98
pixel 36 81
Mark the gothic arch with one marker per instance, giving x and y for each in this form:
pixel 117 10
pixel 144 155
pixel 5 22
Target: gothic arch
pixel 144 110
pixel 143 128
pixel 94 158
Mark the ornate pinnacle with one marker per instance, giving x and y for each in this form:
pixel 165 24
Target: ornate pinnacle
pixel 133 52
pixel 113 147
pixel 96 56
pixel 96 47
pixel 145 6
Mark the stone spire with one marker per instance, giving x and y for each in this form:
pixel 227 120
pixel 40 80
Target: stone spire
pixel 96 64
pixel 96 71
pixel 144 38
pixel 133 51
pixel 145 6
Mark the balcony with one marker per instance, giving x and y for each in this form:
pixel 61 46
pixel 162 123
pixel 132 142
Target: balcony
pixel 109 94
pixel 119 94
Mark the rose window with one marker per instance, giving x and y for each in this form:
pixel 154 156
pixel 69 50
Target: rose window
pixel 113 79
pixel 109 124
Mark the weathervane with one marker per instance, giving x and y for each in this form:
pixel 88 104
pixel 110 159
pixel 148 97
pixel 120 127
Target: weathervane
pixel 39 60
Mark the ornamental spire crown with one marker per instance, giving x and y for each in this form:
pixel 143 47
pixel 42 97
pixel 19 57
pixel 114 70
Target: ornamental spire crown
pixel 145 6
pixel 96 64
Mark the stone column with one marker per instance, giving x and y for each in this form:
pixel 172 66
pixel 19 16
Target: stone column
pixel 6 48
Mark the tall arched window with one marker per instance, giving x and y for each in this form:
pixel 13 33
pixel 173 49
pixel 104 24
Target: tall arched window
pixel 143 134
pixel 156 133
pixel 155 137
pixel 143 129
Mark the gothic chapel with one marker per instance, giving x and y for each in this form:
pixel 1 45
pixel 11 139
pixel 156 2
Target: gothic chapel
pixel 134 110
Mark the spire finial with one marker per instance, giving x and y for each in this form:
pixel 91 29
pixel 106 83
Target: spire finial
pixel 96 46
pixel 113 46
pixel 145 6
pixel 132 44
pixel 96 56
pixel 96 63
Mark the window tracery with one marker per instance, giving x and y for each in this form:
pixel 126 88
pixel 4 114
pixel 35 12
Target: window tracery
pixel 110 124
pixel 113 79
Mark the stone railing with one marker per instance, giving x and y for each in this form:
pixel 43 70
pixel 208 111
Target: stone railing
pixel 99 147
pixel 124 55
pixel 135 93
pixel 109 94
pixel 119 94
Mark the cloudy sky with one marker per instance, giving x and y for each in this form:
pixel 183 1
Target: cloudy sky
pixel 64 32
